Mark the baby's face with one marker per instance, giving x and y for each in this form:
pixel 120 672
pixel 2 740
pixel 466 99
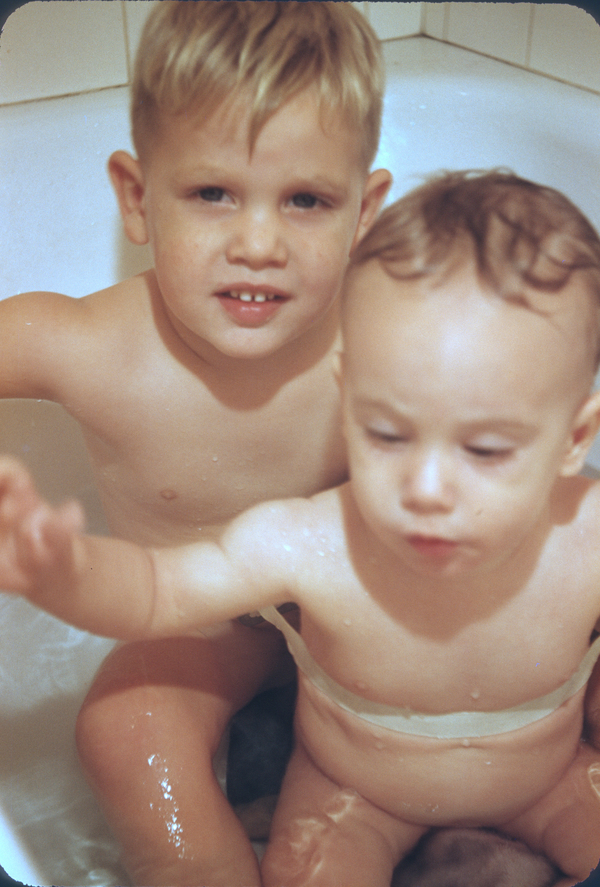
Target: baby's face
pixel 250 249
pixel 459 411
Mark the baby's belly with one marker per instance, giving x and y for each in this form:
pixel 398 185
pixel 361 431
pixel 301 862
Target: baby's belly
pixel 435 782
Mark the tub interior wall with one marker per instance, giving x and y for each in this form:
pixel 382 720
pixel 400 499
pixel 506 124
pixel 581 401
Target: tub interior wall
pixel 445 108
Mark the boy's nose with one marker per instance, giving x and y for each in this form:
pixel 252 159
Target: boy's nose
pixel 427 486
pixel 257 242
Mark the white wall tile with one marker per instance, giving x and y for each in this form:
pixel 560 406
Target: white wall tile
pixel 392 20
pixel 62 47
pixel 566 44
pixel 497 29
pixel 434 20
pixel 136 13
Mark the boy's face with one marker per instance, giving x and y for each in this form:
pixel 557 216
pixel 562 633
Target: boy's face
pixel 250 249
pixel 460 413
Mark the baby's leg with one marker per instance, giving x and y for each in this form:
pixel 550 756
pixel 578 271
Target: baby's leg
pixel 323 835
pixel 565 823
pixel 147 734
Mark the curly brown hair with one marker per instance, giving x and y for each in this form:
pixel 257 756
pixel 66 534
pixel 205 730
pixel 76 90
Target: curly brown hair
pixel 523 237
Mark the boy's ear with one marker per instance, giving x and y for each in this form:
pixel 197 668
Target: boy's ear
pixel 585 428
pixel 376 188
pixel 128 181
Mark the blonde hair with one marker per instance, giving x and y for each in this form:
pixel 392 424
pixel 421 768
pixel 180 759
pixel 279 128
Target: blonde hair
pixel 523 237
pixel 194 55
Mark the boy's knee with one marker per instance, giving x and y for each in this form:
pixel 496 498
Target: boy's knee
pixel 101 736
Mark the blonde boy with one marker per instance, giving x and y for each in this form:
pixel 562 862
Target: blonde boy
pixel 450 591
pixel 205 384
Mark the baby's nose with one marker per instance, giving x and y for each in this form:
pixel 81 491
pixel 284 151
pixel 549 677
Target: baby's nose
pixel 427 485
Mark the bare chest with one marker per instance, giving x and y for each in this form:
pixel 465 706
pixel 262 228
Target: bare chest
pixel 180 456
pixel 382 647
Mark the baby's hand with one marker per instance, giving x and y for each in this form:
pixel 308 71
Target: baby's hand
pixel 36 540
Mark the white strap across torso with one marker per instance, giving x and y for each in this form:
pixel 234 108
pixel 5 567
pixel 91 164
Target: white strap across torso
pixel 451 725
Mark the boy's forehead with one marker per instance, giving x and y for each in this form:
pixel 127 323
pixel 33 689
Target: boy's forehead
pixel 302 115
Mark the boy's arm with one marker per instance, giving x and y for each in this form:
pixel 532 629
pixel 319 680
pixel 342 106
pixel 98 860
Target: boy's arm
pixel 36 333
pixel 116 588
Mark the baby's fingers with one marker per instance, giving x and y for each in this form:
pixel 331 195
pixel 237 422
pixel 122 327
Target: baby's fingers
pixel 17 491
pixel 45 538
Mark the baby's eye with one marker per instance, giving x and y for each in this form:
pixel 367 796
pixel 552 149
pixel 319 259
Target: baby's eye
pixel 212 194
pixel 305 201
pixel 489 452
pixel 383 436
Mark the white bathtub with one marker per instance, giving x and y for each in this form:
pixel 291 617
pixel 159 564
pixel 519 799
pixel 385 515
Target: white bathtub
pixel 446 107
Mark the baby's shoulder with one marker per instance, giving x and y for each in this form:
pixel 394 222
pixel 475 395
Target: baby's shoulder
pixel 298 523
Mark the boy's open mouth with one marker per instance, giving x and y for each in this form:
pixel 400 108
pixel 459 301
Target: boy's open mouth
pixel 246 296
pixel 251 308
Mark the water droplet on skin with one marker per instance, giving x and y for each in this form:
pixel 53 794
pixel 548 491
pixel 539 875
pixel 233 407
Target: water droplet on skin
pixel 347 621
pixel 215 458
pixel 466 743
pixel 379 745
pixel 475 694
pixel 360 685
pixel 168 494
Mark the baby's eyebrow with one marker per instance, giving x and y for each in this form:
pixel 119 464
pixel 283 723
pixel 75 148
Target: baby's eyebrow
pixel 516 431
pixel 515 428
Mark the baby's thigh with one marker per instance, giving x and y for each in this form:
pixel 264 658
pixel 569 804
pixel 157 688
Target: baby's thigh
pixel 323 834
pixel 565 823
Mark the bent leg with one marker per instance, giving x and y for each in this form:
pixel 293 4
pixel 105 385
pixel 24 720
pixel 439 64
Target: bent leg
pixel 565 823
pixel 323 834
pixel 147 734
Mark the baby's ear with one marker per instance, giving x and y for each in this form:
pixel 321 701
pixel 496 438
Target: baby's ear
pixel 584 430
pixel 128 181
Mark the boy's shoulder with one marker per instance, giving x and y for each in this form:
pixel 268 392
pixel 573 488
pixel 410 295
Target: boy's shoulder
pixel 48 340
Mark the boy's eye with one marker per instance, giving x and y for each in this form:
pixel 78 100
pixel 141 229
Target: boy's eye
pixel 212 194
pixel 305 201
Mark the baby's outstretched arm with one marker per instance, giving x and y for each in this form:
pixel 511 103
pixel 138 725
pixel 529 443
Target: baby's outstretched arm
pixel 117 588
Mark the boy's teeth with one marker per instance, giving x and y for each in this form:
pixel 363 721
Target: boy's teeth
pixel 252 297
